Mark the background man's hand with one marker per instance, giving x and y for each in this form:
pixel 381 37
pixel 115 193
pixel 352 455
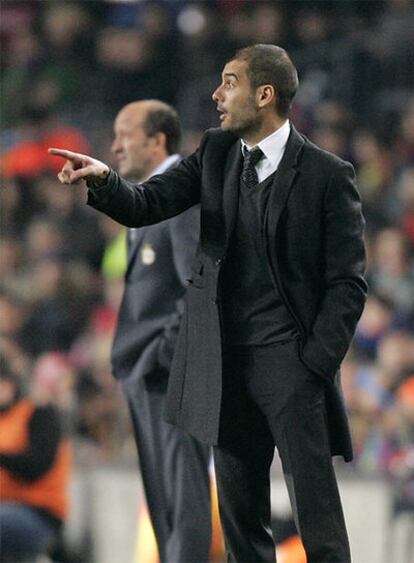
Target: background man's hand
pixel 80 167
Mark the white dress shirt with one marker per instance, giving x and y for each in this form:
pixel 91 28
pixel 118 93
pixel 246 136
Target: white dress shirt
pixel 165 164
pixel 273 148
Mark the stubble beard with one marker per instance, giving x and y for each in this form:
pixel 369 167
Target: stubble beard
pixel 246 124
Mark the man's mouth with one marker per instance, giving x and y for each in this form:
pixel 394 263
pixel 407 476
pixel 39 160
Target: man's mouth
pixel 223 113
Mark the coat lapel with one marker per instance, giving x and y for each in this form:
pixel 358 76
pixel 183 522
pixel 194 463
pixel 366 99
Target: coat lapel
pixel 231 188
pixel 215 159
pixel 225 188
pixel 283 181
pixel 134 241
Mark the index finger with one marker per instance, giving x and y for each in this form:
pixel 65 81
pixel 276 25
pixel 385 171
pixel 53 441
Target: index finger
pixel 64 153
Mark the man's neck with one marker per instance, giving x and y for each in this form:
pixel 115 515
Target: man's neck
pixel 155 165
pixel 268 127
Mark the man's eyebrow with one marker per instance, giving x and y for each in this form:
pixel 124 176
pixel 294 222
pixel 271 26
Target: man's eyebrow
pixel 230 74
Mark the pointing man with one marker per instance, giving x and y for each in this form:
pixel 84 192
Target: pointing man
pixel 276 291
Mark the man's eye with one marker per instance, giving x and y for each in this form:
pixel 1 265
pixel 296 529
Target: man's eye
pixel 229 85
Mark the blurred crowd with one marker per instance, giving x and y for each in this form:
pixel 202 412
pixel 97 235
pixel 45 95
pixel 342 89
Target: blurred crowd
pixel 66 70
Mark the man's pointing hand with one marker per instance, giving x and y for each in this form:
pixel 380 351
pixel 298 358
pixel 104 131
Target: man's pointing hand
pixel 80 167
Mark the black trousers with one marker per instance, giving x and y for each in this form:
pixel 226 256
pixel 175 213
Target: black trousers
pixel 174 471
pixel 271 399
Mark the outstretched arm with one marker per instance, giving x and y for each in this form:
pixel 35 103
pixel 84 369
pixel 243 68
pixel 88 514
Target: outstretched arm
pixel 134 205
pixel 80 167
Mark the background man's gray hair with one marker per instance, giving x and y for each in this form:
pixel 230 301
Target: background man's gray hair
pixel 164 119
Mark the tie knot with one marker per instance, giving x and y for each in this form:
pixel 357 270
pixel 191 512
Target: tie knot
pixel 253 156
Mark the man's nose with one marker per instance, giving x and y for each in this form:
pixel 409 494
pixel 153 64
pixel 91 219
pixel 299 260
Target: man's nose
pixel 216 94
pixel 115 147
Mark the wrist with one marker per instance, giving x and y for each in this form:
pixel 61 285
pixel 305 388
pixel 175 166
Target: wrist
pixel 99 181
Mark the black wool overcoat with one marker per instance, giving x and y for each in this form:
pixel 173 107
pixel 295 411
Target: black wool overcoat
pixel 313 235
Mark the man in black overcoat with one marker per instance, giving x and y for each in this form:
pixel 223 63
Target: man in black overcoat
pixel 275 294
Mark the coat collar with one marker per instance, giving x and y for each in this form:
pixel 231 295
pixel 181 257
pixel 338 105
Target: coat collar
pixel 283 181
pixel 294 146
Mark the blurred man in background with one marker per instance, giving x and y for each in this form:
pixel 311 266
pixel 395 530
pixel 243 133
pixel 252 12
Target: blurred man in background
pixel 174 466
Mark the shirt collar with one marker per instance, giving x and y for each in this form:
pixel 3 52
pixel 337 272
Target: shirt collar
pixel 165 164
pixel 272 145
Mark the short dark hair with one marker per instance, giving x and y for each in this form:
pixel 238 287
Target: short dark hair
pixel 164 119
pixel 269 64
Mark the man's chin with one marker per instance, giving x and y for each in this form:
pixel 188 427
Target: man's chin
pixel 226 125
pixel 124 170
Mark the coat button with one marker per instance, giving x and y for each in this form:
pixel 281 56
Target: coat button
pixel 219 261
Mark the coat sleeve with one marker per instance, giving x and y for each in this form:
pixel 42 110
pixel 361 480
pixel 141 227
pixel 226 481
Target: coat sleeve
pixel 184 235
pixel 344 267
pixel 159 198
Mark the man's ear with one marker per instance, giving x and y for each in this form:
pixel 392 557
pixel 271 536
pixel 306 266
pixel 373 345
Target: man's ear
pixel 160 140
pixel 265 95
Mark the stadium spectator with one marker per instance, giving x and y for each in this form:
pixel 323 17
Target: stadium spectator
pixel 35 467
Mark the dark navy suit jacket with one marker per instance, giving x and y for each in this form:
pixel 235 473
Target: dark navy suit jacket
pixel 159 259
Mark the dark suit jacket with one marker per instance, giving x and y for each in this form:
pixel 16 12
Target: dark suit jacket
pixel 159 259
pixel 312 233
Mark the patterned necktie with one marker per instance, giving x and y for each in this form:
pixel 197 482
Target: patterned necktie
pixel 249 174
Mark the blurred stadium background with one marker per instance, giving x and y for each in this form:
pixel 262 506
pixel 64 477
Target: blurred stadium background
pixel 66 69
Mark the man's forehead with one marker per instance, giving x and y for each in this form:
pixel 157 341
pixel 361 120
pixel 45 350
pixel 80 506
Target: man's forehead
pixel 236 68
pixel 128 118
